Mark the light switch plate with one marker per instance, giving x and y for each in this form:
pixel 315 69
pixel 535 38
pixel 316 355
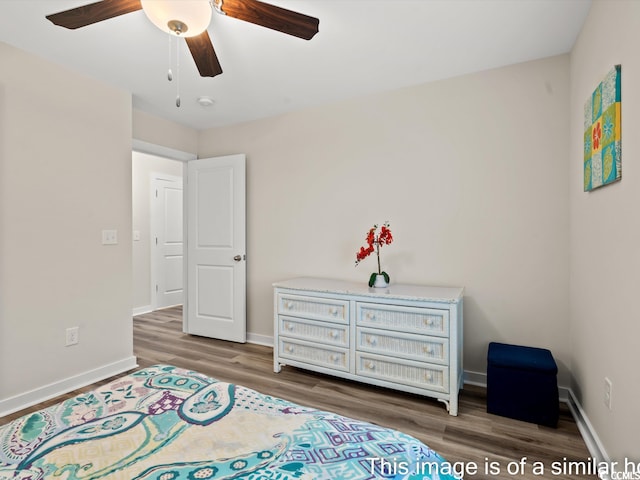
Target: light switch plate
pixel 109 237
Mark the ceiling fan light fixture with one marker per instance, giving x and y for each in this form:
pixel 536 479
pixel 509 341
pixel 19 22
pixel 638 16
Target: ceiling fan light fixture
pixel 182 18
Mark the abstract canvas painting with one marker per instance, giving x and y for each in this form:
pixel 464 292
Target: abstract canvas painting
pixel 602 133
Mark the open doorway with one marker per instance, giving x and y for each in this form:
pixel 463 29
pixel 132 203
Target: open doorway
pixel 157 231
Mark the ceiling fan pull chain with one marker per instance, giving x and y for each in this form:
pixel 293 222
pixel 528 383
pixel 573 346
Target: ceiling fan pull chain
pixel 177 77
pixel 170 73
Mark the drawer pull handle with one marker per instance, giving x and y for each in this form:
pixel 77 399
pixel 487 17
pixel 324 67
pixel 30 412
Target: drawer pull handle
pixel 333 334
pixel 289 349
pixel 290 327
pixel 371 316
pixel 370 365
pixel 428 322
pixel 428 350
pixel 288 305
pixel 334 358
pixel 333 311
pixel 429 377
pixel 372 341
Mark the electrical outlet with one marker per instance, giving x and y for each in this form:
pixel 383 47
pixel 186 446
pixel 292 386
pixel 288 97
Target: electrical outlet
pixel 607 392
pixel 72 336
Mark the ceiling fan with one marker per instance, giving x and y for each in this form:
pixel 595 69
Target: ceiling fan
pixel 190 19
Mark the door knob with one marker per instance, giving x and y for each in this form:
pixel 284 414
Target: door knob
pixel 237 258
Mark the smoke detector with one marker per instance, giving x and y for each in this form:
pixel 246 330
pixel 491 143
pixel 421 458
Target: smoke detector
pixel 205 101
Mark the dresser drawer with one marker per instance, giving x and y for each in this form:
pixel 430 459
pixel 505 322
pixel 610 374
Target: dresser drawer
pixel 323 332
pixel 329 309
pixel 398 318
pixel 404 345
pixel 404 372
pixel 324 356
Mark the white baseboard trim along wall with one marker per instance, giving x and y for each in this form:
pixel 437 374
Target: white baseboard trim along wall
pixel 266 340
pixel 42 394
pixel 141 310
pixel 589 435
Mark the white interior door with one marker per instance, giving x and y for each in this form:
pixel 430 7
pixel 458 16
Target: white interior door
pixel 216 247
pixel 167 243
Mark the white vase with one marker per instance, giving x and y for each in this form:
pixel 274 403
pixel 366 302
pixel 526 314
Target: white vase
pixel 380 281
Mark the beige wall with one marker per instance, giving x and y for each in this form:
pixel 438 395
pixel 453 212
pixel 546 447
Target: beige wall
pixel 65 174
pixel 158 131
pixel 605 237
pixel 144 166
pixel 472 174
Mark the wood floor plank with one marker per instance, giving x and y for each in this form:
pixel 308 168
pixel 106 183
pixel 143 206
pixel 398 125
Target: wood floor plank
pixel 473 437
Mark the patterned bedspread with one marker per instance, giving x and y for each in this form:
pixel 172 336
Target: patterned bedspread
pixel 165 423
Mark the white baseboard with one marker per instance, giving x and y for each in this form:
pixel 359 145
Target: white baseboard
pixel 266 340
pixel 589 435
pixel 38 395
pixel 141 310
pixel 475 378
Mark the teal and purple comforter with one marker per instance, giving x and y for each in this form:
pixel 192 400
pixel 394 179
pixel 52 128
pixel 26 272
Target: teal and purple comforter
pixel 166 423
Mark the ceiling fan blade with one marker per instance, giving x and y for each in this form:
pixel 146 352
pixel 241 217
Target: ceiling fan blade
pixel 270 16
pixel 93 13
pixel 204 55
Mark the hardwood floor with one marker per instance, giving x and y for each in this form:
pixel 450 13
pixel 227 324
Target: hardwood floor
pixel 473 437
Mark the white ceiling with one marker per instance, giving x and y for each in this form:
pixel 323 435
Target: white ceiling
pixel 363 47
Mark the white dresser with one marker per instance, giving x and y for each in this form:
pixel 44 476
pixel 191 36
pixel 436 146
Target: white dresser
pixel 406 337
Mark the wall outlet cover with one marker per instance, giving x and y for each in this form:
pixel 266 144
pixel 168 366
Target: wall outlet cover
pixel 72 336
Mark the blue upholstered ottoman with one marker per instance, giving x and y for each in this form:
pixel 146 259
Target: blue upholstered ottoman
pixel 522 383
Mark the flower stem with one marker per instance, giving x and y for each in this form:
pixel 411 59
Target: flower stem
pixel 378 253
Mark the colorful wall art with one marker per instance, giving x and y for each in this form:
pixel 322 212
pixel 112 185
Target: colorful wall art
pixel 602 134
